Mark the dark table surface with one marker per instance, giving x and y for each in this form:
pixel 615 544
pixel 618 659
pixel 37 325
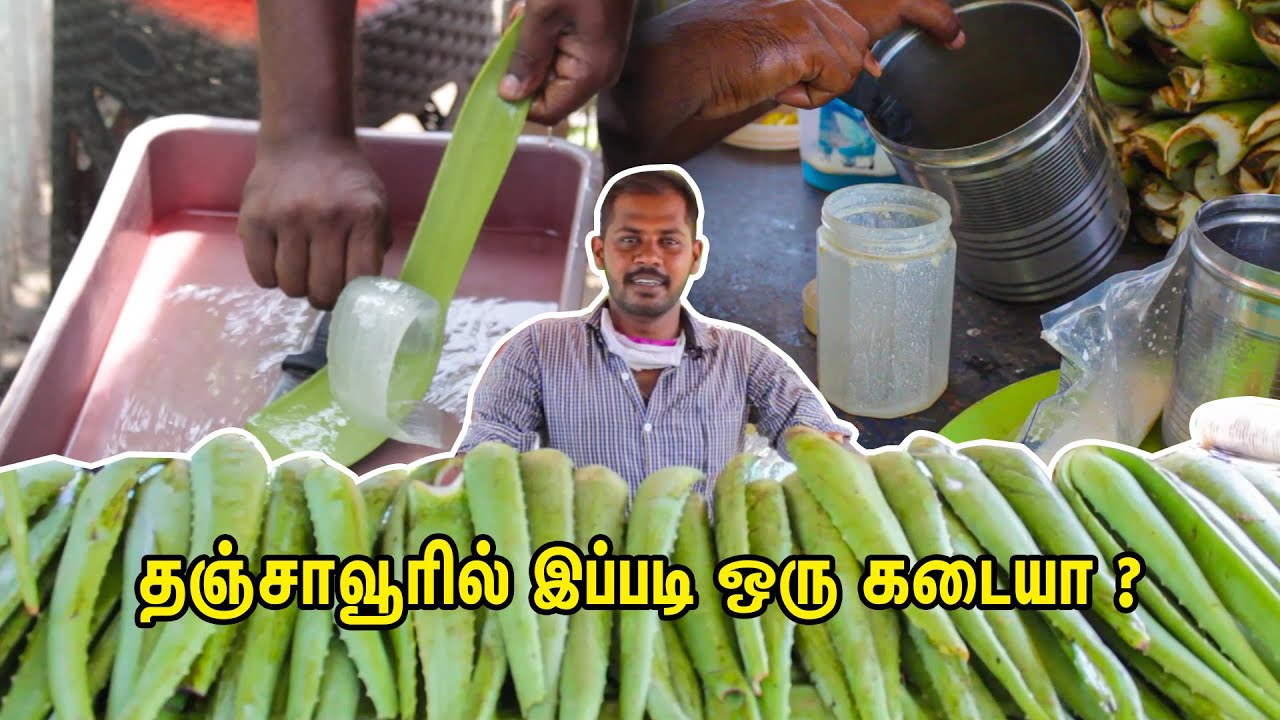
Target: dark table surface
pixel 761 220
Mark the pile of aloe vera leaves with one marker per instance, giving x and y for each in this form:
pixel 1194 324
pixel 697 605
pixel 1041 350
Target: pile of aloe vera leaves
pixel 1202 642
pixel 1191 90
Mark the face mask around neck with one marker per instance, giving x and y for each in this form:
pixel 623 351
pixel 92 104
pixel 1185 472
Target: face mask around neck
pixel 640 355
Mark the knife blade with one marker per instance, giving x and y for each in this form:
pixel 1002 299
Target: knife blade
pixel 297 367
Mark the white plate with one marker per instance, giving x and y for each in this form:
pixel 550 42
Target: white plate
pixel 758 136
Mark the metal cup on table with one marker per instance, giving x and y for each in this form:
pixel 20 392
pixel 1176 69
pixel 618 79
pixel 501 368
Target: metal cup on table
pixel 1010 131
pixel 1228 344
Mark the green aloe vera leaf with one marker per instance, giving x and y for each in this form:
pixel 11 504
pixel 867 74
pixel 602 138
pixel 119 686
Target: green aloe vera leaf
pixel 1159 196
pixel 1263 159
pixel 1217 81
pixel 1224 128
pixel 1266 29
pixel 1126 69
pixel 1187 208
pixel 475 161
pixel 1210 184
pixel 1264 127
pixel 1149 142
pixel 1207 30
pixel 1118 94
pixel 1163 102
pixel 1121 22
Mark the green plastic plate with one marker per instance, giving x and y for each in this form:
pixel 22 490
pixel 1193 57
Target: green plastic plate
pixel 1000 415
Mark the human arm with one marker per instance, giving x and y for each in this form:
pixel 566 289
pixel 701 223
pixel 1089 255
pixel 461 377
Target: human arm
pixel 568 51
pixel 506 404
pixel 781 399
pixel 313 214
pixel 700 71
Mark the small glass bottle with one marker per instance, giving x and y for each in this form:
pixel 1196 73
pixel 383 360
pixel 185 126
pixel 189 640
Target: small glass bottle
pixel 886 278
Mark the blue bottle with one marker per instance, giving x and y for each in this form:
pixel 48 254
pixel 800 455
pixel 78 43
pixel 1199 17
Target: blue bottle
pixel 838 150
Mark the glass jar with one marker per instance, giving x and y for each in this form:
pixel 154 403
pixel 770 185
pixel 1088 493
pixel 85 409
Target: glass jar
pixel 886 278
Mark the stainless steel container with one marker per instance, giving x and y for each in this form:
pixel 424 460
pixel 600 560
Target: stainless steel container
pixel 1229 344
pixel 1010 131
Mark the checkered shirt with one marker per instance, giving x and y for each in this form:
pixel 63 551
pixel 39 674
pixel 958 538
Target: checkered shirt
pixel 556 384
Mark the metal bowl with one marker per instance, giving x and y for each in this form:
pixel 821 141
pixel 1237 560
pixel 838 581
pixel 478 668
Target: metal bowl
pixel 1010 131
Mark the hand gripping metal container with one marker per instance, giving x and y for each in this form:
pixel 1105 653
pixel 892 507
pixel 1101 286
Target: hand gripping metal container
pixel 1229 342
pixel 1010 131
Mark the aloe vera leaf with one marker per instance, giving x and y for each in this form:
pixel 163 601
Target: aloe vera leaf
pixel 1147 229
pixel 475 161
pixel 1117 94
pixel 1259 8
pixel 1208 30
pixel 1243 588
pixel 1127 120
pixel 1187 209
pixel 1149 141
pixel 1132 174
pixel 1217 81
pixel 1266 33
pixel 1262 160
pixel 1098 487
pixel 1121 22
pixel 1264 127
pixel 379 492
pixel 229 479
pixel 1224 128
pixel 1159 105
pixel 547 475
pixel 600 508
pixel 1165 53
pixel 1158 195
pixel 163 498
pixel 1249 183
pixel 39 483
pixel 1131 69
pixel 15 522
pixel 1210 184
pixel 268 633
pixel 652 527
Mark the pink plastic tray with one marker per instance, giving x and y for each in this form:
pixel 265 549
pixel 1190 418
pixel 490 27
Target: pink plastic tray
pixel 158 336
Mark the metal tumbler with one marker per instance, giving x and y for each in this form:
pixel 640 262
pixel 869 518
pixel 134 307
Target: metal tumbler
pixel 1010 131
pixel 1229 340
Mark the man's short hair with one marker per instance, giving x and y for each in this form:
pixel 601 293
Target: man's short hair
pixel 651 182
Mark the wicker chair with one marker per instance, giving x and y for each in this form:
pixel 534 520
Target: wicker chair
pixel 118 62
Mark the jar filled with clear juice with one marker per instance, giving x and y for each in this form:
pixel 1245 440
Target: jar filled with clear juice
pixel 886 278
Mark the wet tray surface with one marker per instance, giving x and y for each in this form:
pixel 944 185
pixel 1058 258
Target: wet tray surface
pixel 158 336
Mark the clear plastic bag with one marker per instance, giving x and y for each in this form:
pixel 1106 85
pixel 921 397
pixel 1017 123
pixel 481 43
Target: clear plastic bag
pixel 1117 343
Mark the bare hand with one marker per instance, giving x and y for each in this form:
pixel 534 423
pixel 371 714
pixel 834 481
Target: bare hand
pixel 313 217
pixel 801 53
pixel 935 18
pixel 568 50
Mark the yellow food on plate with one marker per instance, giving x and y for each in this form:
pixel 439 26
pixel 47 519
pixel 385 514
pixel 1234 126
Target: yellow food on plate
pixel 779 117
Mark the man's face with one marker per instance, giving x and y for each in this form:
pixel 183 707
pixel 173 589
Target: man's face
pixel 647 252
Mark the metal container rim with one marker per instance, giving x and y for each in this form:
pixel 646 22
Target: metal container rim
pixel 1010 142
pixel 935 230
pixel 1246 276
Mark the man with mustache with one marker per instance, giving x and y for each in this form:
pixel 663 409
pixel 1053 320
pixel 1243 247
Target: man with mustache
pixel 640 381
